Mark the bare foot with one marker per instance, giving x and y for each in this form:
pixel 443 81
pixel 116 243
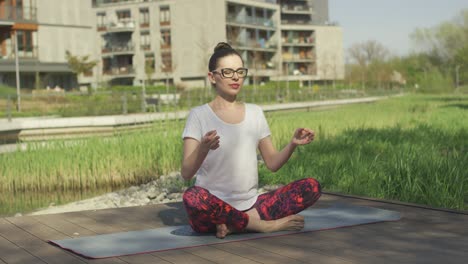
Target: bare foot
pixel 222 231
pixel 288 223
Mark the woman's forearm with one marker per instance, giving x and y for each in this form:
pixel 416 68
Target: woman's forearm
pixel 278 159
pixel 193 162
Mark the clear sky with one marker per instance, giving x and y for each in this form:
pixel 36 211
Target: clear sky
pixel 390 22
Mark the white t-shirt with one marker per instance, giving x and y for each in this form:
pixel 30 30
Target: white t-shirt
pixel 229 172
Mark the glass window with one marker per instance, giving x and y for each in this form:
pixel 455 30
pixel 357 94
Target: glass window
pixel 149 62
pixel 101 20
pixel 164 15
pixel 145 41
pixel 144 17
pixel 165 38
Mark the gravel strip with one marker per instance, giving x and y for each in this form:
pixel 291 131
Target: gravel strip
pixel 166 189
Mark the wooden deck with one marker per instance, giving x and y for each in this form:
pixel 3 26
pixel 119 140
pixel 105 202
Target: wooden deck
pixel 422 236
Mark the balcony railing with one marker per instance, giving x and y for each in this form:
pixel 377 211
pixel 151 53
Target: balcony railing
pixel 18 13
pixel 120 70
pixel 257 21
pixel 296 22
pixel 124 24
pixel 118 48
pixel 253 43
pixel 299 9
pixel 297 57
pixel 98 3
pixel 26 53
pixel 301 40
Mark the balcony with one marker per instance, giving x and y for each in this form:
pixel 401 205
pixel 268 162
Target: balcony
pixel 24 53
pixel 120 71
pixel 122 25
pixel 298 57
pixel 254 44
pixel 296 9
pixel 252 21
pixel 296 22
pixel 300 41
pixel 100 3
pixel 18 13
pixel 118 49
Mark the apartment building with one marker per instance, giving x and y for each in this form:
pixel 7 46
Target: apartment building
pixel 159 41
pixel 42 31
pixel 171 40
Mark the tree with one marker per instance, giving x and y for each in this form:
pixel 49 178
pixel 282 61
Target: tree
pixel 363 55
pixel 445 45
pixel 80 64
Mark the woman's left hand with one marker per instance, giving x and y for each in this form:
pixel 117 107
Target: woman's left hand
pixel 303 136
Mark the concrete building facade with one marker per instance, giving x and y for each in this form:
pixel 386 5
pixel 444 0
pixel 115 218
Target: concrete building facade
pixel 45 30
pixel 278 40
pixel 167 41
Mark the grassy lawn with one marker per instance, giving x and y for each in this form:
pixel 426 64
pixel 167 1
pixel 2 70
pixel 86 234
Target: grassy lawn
pixel 411 148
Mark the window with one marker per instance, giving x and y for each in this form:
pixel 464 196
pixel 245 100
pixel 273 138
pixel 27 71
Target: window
pixel 164 15
pixel 144 17
pixel 101 21
pixel 123 15
pixel 145 41
pixel 149 63
pixel 165 39
pixel 166 59
pixel 26 43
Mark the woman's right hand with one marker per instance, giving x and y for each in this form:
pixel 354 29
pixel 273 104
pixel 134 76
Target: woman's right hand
pixel 209 141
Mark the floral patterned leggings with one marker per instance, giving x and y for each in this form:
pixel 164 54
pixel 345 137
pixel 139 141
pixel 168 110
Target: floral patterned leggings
pixel 205 210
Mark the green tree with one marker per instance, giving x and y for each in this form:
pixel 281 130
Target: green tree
pixel 368 58
pixel 80 64
pixel 445 45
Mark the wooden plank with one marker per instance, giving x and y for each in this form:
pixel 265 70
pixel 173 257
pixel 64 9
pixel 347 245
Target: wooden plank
pixel 143 259
pixel 59 223
pixel 255 254
pixel 35 246
pixel 56 221
pixel 181 256
pixel 12 254
pixel 218 255
pixel 298 253
pixel 86 222
pixel 118 221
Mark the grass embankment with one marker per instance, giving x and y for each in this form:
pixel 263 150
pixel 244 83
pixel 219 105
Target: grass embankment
pixel 411 149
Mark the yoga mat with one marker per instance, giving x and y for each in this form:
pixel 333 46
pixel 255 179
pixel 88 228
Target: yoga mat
pixel 176 237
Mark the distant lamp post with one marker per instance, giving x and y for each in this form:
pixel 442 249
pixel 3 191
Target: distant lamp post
pixel 18 94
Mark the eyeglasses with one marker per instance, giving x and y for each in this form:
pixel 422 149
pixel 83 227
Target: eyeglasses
pixel 229 73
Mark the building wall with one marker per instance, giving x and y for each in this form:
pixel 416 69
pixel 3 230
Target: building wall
pixel 329 48
pixel 197 27
pixel 64 25
pixel 320 11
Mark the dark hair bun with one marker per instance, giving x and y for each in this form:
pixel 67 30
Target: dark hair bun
pixel 222 46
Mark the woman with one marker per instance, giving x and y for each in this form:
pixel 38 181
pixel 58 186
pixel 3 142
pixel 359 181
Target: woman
pixel 220 143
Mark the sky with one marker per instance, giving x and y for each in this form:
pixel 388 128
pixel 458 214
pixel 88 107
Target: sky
pixel 390 22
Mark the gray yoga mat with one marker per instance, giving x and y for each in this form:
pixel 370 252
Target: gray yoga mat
pixel 176 237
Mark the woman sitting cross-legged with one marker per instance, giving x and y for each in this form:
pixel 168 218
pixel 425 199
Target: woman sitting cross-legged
pixel 220 147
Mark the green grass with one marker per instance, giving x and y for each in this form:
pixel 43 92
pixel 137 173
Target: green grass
pixel 411 148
